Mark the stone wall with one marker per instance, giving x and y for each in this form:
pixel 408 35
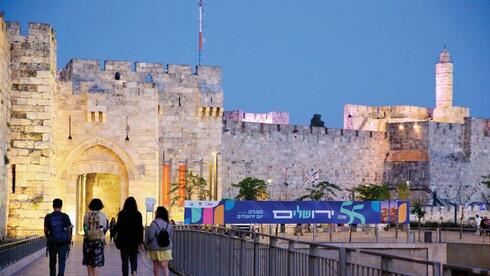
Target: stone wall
pixel 285 154
pixel 375 118
pixel 272 117
pixel 33 70
pixel 4 119
pixel 408 158
pixel 143 115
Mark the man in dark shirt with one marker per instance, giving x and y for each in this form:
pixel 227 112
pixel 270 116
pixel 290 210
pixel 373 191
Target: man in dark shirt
pixel 58 232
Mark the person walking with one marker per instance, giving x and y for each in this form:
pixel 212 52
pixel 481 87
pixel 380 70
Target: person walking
pixel 158 254
pixel 112 229
pixel 94 227
pixel 478 224
pixel 129 229
pixel 58 232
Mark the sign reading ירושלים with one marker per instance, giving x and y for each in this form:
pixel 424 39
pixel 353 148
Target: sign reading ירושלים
pixel 287 212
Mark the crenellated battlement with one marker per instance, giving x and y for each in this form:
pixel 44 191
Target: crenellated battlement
pixel 34 29
pixel 90 67
pixel 297 131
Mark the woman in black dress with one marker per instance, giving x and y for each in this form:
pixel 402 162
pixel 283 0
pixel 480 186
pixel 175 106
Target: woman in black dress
pixel 129 238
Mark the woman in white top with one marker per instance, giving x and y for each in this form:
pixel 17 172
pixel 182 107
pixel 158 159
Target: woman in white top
pixel 94 227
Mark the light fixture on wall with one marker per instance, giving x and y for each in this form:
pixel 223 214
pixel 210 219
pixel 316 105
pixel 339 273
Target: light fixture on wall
pixel 127 129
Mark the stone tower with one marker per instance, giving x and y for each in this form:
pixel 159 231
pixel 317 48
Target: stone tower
pixel 444 110
pixel 444 80
pixel 33 79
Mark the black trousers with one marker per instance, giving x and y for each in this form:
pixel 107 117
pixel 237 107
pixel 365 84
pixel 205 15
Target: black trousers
pixel 129 256
pixel 60 251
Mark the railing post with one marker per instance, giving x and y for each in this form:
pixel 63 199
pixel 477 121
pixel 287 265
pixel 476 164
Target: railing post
pixel 314 232
pixel 290 258
pixel 330 230
pixel 386 265
pixel 342 262
pixel 242 253
pixel 256 254
pixel 313 264
pixel 436 269
pixel 439 234
pixel 408 232
pixel 376 233
pixel 272 254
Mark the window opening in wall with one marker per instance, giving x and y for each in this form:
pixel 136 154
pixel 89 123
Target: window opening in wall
pixel 203 111
pixel 211 99
pixel 13 178
pixel 69 127
pixel 148 78
pixel 117 76
pixel 217 111
pixel 179 102
pixel 243 116
pixel 101 117
pixel 486 129
pixel 159 110
pixel 92 116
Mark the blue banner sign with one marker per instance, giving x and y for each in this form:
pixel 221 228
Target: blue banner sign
pixel 278 212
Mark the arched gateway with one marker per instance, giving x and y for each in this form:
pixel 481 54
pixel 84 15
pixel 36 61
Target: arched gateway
pixel 96 169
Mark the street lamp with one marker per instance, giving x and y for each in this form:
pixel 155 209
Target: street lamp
pixel 269 180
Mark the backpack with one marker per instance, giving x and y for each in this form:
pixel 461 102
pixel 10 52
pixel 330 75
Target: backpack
pixel 162 236
pixel 94 232
pixel 58 233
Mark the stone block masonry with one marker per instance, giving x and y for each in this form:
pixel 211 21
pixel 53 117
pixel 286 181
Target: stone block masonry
pixel 4 123
pixel 33 73
pixel 288 155
pixel 125 129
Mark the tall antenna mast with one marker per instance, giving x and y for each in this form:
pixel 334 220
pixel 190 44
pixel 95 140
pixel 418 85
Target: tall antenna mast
pixel 201 21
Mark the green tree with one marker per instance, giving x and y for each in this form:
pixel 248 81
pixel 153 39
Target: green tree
pixel 403 191
pixel 251 189
pixel 322 190
pixel 373 192
pixel 418 209
pixel 195 188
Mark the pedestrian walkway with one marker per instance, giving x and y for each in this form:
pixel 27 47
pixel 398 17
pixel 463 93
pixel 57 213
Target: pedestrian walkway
pixel 74 263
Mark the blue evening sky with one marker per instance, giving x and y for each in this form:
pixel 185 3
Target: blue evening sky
pixel 302 57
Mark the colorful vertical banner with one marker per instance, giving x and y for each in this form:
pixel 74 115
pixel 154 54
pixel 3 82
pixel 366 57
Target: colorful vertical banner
pixel 278 212
pixel 166 184
pixel 182 181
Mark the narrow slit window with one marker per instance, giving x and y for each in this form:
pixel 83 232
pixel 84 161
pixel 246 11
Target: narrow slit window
pixel 179 102
pixel 92 116
pixel 159 110
pixel 101 117
pixel 218 110
pixel 13 178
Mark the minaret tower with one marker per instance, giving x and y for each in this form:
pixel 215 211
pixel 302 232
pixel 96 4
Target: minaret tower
pixel 444 111
pixel 444 80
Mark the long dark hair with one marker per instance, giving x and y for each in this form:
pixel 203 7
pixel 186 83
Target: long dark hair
pixel 130 205
pixel 161 213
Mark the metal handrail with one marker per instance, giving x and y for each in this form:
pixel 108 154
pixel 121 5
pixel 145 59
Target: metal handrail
pixel 276 244
pixel 12 252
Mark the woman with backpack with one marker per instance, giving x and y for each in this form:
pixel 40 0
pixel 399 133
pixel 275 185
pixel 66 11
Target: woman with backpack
pixel 158 241
pixel 94 227
pixel 129 231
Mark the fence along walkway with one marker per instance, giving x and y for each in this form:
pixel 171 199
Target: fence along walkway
pixel 201 250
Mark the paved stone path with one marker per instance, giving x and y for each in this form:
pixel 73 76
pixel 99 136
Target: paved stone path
pixel 74 263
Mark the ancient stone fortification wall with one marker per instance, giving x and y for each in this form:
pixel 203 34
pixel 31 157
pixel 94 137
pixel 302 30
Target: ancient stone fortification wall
pixel 375 118
pixel 190 112
pixel 285 154
pixel 408 158
pixel 272 117
pixel 4 118
pixel 149 113
pixel 33 69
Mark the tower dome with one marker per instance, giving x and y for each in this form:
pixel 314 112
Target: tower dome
pixel 444 56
